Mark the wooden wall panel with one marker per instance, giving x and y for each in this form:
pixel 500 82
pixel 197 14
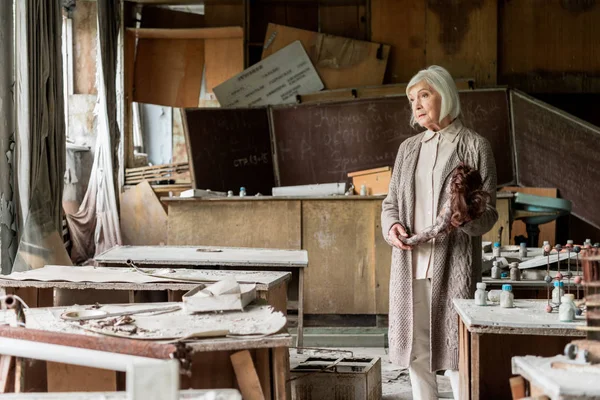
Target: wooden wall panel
pixel 224 14
pixel 272 224
pixel 401 24
pixel 551 47
pixel 342 20
pixel 462 37
pixel 302 16
pixel 224 59
pixel 169 72
pixel 340 239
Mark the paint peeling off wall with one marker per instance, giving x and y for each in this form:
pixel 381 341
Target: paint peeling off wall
pixel 85 34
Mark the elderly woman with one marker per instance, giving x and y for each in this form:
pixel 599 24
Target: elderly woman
pixel 426 276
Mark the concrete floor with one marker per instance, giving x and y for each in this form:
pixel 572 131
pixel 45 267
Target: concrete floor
pixel 395 381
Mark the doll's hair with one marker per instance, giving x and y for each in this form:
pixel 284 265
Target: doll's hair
pixel 467 197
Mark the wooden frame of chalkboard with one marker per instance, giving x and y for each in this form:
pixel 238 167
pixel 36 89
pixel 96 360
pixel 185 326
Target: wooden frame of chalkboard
pixel 323 142
pixel 545 136
pixel 229 148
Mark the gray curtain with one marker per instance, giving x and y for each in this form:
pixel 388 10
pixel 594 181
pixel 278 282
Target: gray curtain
pixel 40 143
pixel 95 227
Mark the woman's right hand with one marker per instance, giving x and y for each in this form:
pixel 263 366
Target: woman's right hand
pixel 394 234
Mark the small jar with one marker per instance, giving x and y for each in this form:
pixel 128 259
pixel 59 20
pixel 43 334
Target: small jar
pixel 481 295
pixel 494 295
pixel 567 309
pixel 363 190
pixel 496 249
pixel 522 250
pixel 507 297
pixel 242 191
pixel 230 193
pixel 496 270
pixel 515 273
pixel 558 292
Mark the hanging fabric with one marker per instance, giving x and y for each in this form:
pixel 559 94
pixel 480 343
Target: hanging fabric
pixel 40 139
pixel 95 227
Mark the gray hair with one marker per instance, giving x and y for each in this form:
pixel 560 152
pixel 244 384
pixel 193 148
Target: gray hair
pixel 441 81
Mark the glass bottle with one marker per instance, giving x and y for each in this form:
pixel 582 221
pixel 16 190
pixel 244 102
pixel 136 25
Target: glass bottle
pixel 507 297
pixel 480 295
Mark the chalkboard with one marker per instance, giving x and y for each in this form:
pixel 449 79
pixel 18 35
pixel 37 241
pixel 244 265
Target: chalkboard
pixel 229 148
pixel 555 149
pixel 321 143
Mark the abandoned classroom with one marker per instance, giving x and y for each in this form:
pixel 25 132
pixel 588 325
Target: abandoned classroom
pixel 299 199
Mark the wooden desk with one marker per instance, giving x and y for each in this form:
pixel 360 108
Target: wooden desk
pixel 490 336
pixel 349 259
pixel 218 394
pixel 270 285
pixel 211 257
pixel 556 384
pixel 206 363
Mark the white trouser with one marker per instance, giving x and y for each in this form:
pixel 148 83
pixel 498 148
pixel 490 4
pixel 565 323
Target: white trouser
pixel 422 380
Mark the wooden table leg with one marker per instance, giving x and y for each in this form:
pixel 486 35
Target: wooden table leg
pixel 464 353
pixel 300 340
pixel 263 369
pixel 246 375
pixel 475 357
pixel 281 373
pixel 517 387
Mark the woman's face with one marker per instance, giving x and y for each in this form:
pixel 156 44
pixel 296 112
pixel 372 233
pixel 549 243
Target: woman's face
pixel 426 104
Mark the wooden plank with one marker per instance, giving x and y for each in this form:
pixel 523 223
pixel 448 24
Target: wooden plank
pixel 185 34
pixel 329 288
pixel 169 72
pixel 503 208
pixel 263 369
pixel 475 364
pixel 274 225
pixel 246 375
pixel 230 13
pixel 547 230
pixel 369 92
pixel 213 369
pixel 224 60
pixel 517 387
pixel 85 31
pixel 464 356
pixel 7 376
pixel 568 63
pixel 340 62
pixel 143 218
pixel 301 16
pixel 402 25
pixel 73 378
pixel 341 20
pixel 281 373
pixel 462 37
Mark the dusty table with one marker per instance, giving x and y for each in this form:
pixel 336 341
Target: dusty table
pixel 206 361
pixel 218 394
pixel 557 384
pixel 489 336
pixel 270 285
pixel 214 257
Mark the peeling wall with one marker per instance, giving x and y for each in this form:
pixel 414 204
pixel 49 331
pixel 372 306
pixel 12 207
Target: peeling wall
pixel 85 32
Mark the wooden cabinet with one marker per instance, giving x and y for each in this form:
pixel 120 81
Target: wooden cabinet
pixel 349 261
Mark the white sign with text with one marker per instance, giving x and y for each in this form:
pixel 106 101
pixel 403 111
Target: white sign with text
pixel 275 80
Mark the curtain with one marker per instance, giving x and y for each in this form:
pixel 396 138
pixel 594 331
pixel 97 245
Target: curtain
pixel 95 227
pixel 40 140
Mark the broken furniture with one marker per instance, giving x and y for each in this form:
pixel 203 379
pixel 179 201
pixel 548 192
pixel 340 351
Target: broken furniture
pixel 222 258
pixel 191 394
pixel 546 382
pixel 489 336
pixel 348 378
pixel 270 285
pixel 163 374
pixel 205 362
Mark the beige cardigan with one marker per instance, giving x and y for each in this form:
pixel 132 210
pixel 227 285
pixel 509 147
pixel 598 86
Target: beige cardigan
pixel 457 256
